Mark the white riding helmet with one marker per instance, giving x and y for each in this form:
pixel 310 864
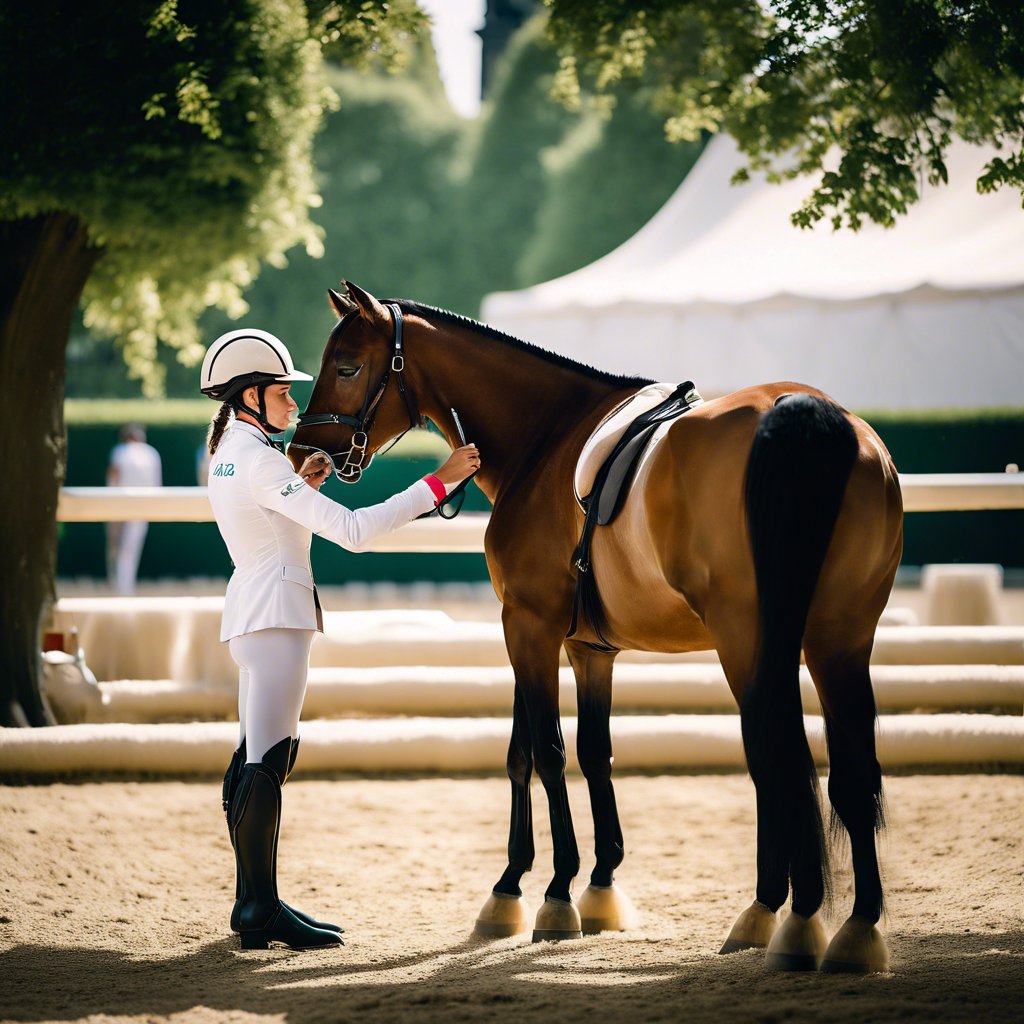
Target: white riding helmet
pixel 239 359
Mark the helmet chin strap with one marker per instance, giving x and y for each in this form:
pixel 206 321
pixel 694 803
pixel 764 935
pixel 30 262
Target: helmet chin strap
pixel 261 416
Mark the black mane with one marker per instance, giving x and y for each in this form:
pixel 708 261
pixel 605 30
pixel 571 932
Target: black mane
pixel 458 320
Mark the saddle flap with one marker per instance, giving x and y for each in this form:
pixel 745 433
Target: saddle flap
pixel 604 439
pixel 652 405
pixel 620 441
pixel 615 487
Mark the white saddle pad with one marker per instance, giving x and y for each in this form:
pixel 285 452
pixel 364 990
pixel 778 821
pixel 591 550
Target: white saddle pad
pixel 601 442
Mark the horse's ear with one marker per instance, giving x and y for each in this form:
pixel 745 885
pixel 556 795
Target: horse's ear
pixel 369 308
pixel 339 303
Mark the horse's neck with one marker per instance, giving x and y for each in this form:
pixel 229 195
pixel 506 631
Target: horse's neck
pixel 513 405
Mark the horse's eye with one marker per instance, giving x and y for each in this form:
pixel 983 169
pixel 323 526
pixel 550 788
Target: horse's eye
pixel 348 372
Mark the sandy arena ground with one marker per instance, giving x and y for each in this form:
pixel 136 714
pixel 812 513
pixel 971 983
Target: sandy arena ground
pixel 117 895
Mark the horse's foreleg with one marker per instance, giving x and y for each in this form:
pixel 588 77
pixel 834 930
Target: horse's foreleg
pixel 504 913
pixel 549 747
pixel 603 906
pixel 536 741
pixel 533 648
pixel 519 765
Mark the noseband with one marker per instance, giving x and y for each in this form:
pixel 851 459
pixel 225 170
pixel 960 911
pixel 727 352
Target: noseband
pixel 351 468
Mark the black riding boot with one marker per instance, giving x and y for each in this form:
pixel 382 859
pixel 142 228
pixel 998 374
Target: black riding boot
pixel 231 777
pixel 255 826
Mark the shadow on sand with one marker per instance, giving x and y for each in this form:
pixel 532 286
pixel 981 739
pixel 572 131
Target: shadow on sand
pixel 946 978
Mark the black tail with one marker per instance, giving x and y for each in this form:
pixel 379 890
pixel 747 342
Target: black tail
pixel 800 461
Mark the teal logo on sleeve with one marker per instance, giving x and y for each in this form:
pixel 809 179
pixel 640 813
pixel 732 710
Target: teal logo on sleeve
pixel 224 469
pixel 295 485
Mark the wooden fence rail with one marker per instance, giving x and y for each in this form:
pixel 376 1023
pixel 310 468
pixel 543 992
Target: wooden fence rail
pixel 924 492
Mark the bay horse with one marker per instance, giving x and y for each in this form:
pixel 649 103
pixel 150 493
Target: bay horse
pixel 762 523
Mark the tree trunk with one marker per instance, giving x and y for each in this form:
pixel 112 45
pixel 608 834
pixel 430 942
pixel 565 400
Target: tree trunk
pixel 44 264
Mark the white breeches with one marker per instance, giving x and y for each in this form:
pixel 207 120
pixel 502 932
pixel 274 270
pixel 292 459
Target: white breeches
pixel 124 565
pixel 272 668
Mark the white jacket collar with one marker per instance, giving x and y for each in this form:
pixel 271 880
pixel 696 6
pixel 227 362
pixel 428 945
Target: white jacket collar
pixel 251 428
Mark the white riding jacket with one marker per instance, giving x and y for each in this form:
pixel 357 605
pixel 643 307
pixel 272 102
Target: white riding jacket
pixel 267 515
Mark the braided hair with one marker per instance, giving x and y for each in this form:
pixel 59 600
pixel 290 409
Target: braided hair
pixel 218 425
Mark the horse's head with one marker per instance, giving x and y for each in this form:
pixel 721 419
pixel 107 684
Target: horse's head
pixel 359 400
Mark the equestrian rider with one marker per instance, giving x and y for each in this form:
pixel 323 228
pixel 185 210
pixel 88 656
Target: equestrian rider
pixel 267 514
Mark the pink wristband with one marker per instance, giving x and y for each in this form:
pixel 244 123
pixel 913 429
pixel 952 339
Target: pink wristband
pixel 439 489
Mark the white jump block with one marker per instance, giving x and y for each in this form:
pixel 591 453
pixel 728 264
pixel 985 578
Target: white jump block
pixel 662 742
pixel 962 595
pixel 150 637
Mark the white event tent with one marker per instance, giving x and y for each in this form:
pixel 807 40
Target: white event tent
pixel 720 288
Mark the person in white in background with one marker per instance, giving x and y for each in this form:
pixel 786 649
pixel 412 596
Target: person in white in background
pixel 267 514
pixel 133 463
pixel 202 464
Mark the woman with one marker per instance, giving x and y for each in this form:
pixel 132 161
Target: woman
pixel 267 514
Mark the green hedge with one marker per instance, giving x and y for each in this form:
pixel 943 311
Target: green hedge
pixel 936 442
pixel 952 441
pixel 957 441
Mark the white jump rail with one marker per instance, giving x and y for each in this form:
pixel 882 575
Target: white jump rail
pixel 962 492
pixel 191 505
pixel 420 744
pixel 923 492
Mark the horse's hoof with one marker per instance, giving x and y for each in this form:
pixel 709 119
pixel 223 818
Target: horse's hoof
pixel 606 908
pixel 753 929
pixel 798 945
pixel 502 915
pixel 858 947
pixel 557 920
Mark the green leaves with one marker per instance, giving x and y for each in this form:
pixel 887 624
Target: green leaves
pixel 180 133
pixel 870 92
pixel 360 33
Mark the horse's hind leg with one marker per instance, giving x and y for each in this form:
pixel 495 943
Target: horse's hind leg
pixel 802 454
pixel 603 906
pixel 754 928
pixel 504 913
pixel 855 790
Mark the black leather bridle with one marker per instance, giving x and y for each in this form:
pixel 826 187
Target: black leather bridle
pixel 351 466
